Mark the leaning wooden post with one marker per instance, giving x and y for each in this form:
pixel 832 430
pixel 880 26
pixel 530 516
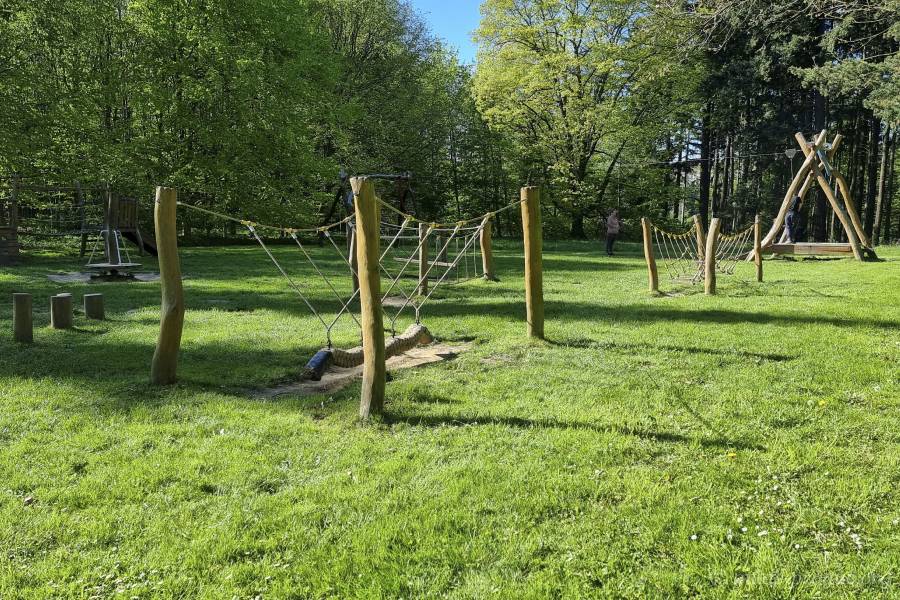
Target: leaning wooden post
pixel 23 319
pixel 534 269
pixel 712 238
pixel 368 240
pixel 164 370
pixel 648 255
pixel 757 248
pixel 487 250
pixel 61 315
pixel 701 237
pixel 423 259
pixel 93 307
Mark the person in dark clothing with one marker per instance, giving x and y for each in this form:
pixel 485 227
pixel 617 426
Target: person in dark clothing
pixel 792 221
pixel 613 227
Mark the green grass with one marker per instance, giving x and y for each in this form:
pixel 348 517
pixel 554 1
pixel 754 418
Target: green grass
pixel 743 445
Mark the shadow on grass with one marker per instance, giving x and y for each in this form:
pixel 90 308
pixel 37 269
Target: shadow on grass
pixel 392 417
pixel 588 344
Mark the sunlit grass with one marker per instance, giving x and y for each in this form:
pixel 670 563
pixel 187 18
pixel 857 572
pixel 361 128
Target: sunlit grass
pixel 744 444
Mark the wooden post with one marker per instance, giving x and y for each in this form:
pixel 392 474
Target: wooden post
pixel 93 307
pixel 757 248
pixel 423 259
pixel 709 261
pixel 441 248
pixel 61 316
pixel 23 319
pixel 648 255
pixel 164 370
pixel 701 236
pixel 368 241
pixel 534 269
pixel 487 250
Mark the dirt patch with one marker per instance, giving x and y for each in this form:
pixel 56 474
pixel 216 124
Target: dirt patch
pixel 337 379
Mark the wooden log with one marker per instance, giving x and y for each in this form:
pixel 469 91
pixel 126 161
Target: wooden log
pixel 701 236
pixel 534 269
pixel 61 312
pixel 709 261
pixel 423 259
pixel 852 212
pixel 649 256
pixel 812 249
pixel 757 248
pixel 368 240
pixel 164 369
pixel 487 250
pixel 23 318
pixel 93 307
pixel 442 247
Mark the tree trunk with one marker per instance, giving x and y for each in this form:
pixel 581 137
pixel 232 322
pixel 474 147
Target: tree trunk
pixel 820 232
pixel 882 187
pixel 704 168
pixel 577 230
pixel 872 174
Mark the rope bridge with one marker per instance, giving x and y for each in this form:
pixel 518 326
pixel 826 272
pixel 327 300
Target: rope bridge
pixel 408 273
pixel 694 255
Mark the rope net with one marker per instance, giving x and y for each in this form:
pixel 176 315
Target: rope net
pixel 732 249
pixel 679 254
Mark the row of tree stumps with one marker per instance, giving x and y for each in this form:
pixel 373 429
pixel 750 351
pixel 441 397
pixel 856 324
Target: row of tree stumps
pixel 62 314
pixel 366 253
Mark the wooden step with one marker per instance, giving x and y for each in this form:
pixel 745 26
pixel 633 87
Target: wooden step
pixel 810 248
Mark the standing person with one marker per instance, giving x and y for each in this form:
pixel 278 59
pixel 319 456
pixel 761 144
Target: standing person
pixel 792 221
pixel 613 227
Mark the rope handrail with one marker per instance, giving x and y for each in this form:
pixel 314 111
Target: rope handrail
pixel 286 230
pixel 738 234
pixel 448 226
pixel 689 233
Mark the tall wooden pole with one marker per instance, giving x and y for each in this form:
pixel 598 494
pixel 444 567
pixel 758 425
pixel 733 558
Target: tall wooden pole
pixel 423 259
pixel 164 369
pixel 757 248
pixel 23 319
pixel 487 250
pixel 534 269
pixel 648 255
pixel 368 241
pixel 709 261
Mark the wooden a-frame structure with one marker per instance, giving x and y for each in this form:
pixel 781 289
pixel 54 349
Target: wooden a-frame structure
pixel 817 168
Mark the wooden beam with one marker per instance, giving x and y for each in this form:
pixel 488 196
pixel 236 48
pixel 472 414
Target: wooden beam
pixel 811 249
pixel 487 250
pixel 757 248
pixel 700 235
pixel 368 252
pixel 709 261
pixel 652 273
pixel 423 259
pixel 534 270
pixel 164 369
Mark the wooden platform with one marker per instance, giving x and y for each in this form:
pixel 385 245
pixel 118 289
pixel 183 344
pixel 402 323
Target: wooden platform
pixel 810 249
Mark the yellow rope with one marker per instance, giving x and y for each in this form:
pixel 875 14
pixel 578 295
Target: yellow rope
pixel 412 219
pixel 673 236
pixel 735 236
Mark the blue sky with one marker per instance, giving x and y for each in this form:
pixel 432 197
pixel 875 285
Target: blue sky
pixel 454 21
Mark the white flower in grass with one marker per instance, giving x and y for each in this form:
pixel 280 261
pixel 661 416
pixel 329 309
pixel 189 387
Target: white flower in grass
pixel 763 533
pixel 694 537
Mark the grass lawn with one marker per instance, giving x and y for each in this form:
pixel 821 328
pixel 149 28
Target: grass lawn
pixel 743 445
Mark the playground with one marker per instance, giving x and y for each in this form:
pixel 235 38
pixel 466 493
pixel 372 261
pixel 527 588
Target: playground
pixel 743 442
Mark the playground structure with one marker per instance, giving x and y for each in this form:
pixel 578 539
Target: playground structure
pixel 410 277
pixel 50 211
pixel 695 255
pixel 817 168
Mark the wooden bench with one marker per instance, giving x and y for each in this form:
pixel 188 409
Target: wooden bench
pixel 810 249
